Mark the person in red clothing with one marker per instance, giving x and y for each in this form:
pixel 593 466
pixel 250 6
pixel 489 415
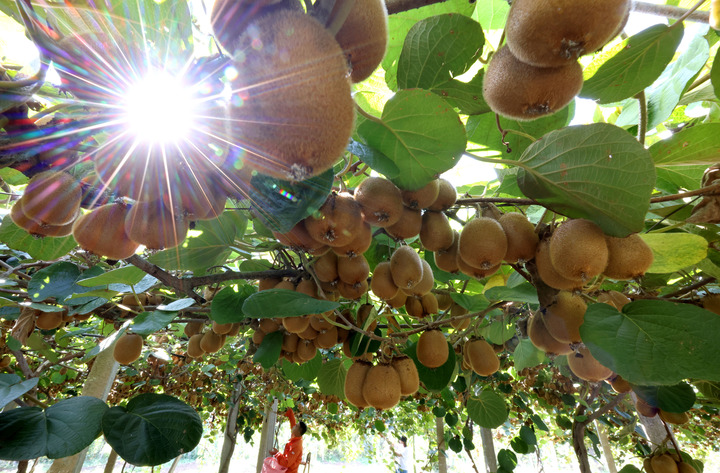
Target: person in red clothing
pixel 292 456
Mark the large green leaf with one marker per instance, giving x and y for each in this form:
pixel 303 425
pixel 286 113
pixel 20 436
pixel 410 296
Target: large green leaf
pixel 268 353
pixel 307 371
pixel 527 355
pixel 282 204
pixel 46 249
pixel 152 429
pixel 437 49
pixel 284 303
pixel 420 132
pixel 675 251
pixel 63 429
pixel 12 387
pixel 129 275
pixel 148 323
pixel 599 172
pixel 492 14
pixel 465 96
pixel 227 304
pixel 654 342
pixel 375 159
pixel 57 280
pixel 678 398
pixel 524 292
pixel 331 378
pixel 434 379
pixel 640 61
pixel 208 245
pixel 696 144
pixel 488 409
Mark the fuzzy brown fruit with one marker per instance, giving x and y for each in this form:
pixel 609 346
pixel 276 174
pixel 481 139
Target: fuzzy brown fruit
pixel 564 317
pixel 336 222
pixel 628 258
pixel 406 267
pixel 364 36
pixel 586 367
pixel 128 348
pixel 541 338
pixel 409 377
pixel 432 349
pixel 422 198
pixel 447 260
pixel 436 234
pixel 482 243
pixel 521 237
pixel 51 198
pixel 447 195
pixel 408 226
pixel 360 243
pixel 535 91
pixel 49 320
pixel 382 284
pixel 664 463
pixel 380 201
pixel 211 342
pixel 578 250
pixel 155 226
pixel 482 358
pixel 102 232
pixel 381 388
pixel 549 274
pixel 354 381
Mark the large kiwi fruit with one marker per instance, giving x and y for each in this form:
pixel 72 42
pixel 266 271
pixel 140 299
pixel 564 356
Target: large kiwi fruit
pixel 49 320
pixel 211 342
pixel 154 225
pixel 447 260
pixel 551 33
pixel 564 317
pixel 193 328
pixel 52 198
pixel 306 350
pixel 128 348
pixel 677 418
pixel 296 324
pixel 406 267
pixel 482 243
pixel 541 338
pixel 352 291
pixel 482 358
pixel 364 36
pixel 436 234
pixel 447 195
pixel 381 388
pixel 326 267
pixel 295 112
pixel 586 367
pixel 354 381
pixel 380 201
pixel 299 238
pixel 409 377
pixel 685 467
pixel 353 270
pixel 521 237
pixel 474 272
pixel 337 220
pixel 628 258
pixel 432 349
pixel 102 232
pixel 422 198
pixel 520 91
pixel 549 274
pixel 663 463
pixel 578 249
pixel 360 243
pixel 426 283
pixel 408 226
pixel 382 284
pixel 36 228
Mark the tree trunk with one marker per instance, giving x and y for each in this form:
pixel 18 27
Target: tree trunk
pixel 605 443
pixel 174 464
pixel 268 432
pixel 112 459
pixel 231 431
pixel 578 443
pixel 488 449
pixel 97 384
pixel 22 466
pixel 440 433
pixel 654 428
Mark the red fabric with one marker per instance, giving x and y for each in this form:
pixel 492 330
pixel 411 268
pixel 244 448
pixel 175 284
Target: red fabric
pixel 292 456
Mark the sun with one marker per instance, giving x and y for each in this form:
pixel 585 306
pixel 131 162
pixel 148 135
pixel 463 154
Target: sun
pixel 159 108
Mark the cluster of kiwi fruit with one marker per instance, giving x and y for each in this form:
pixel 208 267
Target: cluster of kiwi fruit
pixel 537 72
pixel 210 341
pixel 292 111
pixel 667 463
pixel 381 385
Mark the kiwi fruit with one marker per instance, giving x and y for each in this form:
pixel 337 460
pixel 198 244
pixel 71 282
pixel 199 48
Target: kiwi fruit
pixel 447 196
pixel 614 298
pixel 352 291
pixel 628 258
pixel 586 367
pixel 325 267
pixel 447 259
pixel 414 307
pixel 426 283
pixel 298 238
pixel 155 226
pixel 192 328
pixel 523 92
pixel 435 231
pixel 296 324
pixel 307 287
pixel 429 304
pixel 290 342
pixel 354 381
pixel 309 333
pixel 664 463
pixel 408 226
pixel 353 270
pixel 677 418
pixel 551 33
pixel 444 300
pixel 268 283
pixel 564 317
pixel 336 222
pixel 432 349
pixel 196 193
pixel 382 284
pixel 327 338
pixel 258 336
pixel 364 37
pixel 711 302
pixel 298 84
pixel 521 237
pixel 5 361
pixel 49 320
pixel 578 249
pixel 482 243
pixel 102 232
pixel 685 467
pixel 128 348
pixel 473 272
pixel 406 267
pixel 541 338
pixel 460 324
pixel 36 228
pixel 644 408
pixel 52 198
pixel 211 342
pixel 306 350
pixel 360 243
pixel 620 384
pixel 380 201
pixel 422 198
pixel 481 357
pixel 320 323
pixel 381 388
pixel 549 274
pixel 647 466
pixel 269 325
pixel 221 329
pixel 398 301
pixel 409 377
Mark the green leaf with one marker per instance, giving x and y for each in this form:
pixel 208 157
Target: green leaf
pixel 434 379
pixel 492 14
pixel 147 323
pixel 282 204
pixel 465 96
pixel 528 435
pixel 524 292
pixel 692 145
pixel 63 429
pixel 12 387
pixel 331 378
pixel 375 159
pixel 129 275
pixel 640 61
pixel 207 245
pixel 420 133
pixel 152 429
pixel 488 409
pixel 527 355
pixel 715 76
pixel 177 305
pixel 361 344
pixel 455 444
pixel 498 332
pixel 677 398
pixel 307 371
pixel 599 172
pixel 284 303
pixel 268 353
pixel 46 249
pixel 520 446
pixel 7 302
pixel 654 342
pixel 675 251
pixel 630 469
pixel 226 306
pixel 437 49
pixel 57 280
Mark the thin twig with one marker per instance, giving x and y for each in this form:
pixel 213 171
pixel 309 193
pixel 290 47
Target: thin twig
pixel 642 126
pixel 690 288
